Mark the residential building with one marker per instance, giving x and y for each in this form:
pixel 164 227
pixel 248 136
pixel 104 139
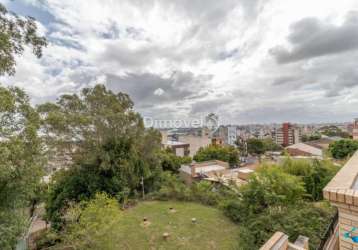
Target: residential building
pixel 200 170
pixel 226 134
pixel 195 142
pixel 231 135
pixel 178 148
pixel 214 171
pixel 355 129
pixel 305 149
pixel 287 135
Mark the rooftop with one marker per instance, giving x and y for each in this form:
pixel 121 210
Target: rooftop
pixel 175 143
pixel 204 167
pixel 307 148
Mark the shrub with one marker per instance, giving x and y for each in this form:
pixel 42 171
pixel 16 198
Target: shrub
pixel 343 148
pixel 213 152
pixel 315 174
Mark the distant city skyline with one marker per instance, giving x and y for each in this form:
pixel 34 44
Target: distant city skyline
pixel 249 61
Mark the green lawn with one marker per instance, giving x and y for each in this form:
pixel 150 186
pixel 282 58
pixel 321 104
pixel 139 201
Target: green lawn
pixel 211 231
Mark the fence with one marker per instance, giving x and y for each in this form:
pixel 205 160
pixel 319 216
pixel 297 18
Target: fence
pixel 328 233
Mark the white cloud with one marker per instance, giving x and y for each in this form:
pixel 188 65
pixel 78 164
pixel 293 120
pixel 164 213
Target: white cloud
pixel 212 54
pixel 159 92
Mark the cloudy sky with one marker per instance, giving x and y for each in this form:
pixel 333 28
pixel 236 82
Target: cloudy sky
pixel 246 60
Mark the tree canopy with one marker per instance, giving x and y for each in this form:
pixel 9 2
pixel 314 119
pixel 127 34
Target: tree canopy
pixel 312 137
pixel 20 149
pixel 334 131
pixel 275 200
pixel 98 218
pixel 270 186
pixel 21 162
pixel 343 148
pixel 112 151
pixel 214 152
pixel 15 33
pixel 255 146
pixel 315 174
pixel 81 123
pixel 171 162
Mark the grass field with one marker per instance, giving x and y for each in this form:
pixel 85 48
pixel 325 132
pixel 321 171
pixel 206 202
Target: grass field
pixel 212 229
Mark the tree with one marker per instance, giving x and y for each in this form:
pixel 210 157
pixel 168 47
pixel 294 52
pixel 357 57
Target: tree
pixel 343 148
pixel 334 131
pixel 213 152
pixel 255 146
pixel 171 162
pixel 273 200
pixel 16 33
pixel 315 174
pixel 20 157
pixel 312 137
pixel 271 186
pixel 77 124
pixel 21 162
pixel 116 169
pixel 270 145
pixel 112 151
pixel 93 224
pixel 306 219
pixel 241 145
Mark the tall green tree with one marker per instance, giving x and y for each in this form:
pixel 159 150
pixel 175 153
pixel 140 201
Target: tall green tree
pixel 20 150
pixel 78 124
pixel 15 33
pixel 112 152
pixel 21 162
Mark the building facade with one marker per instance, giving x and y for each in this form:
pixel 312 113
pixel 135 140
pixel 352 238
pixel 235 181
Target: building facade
pixel 231 135
pixel 228 134
pixel 195 142
pixel 287 135
pixel 355 129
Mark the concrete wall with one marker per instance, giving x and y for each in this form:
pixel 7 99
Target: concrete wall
pixel 279 241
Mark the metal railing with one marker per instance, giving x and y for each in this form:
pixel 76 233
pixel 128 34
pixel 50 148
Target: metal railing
pixel 328 233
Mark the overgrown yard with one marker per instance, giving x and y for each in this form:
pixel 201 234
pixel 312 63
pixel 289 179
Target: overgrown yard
pixel 212 230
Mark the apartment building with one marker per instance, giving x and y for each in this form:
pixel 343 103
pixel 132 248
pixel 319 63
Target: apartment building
pixel 231 135
pixel 228 134
pixel 195 142
pixel 287 135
